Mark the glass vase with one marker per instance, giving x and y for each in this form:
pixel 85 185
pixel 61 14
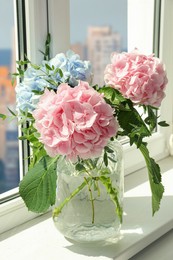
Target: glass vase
pixel 90 196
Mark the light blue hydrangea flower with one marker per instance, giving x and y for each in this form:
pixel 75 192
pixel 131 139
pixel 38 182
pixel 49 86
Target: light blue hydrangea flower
pixel 73 70
pixel 26 98
pixel 72 67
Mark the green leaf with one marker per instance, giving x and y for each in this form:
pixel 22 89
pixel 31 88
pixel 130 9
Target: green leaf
pixel 38 187
pixel 48 67
pixel 79 167
pixel 46 53
pixel 111 94
pixel 15 74
pixel 22 62
pixel 157 193
pixel 37 92
pixel 22 138
pixel 151 120
pixel 111 159
pixel 21 72
pixel 13 80
pixel 58 70
pixel 156 186
pixel 108 149
pixel 3 117
pixel 35 66
pixel 11 112
pixel 133 125
pixel 105 159
pixel 52 82
pixel 163 123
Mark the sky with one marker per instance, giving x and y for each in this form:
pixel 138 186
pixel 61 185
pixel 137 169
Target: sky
pixel 82 12
pixel 6 23
pixel 97 12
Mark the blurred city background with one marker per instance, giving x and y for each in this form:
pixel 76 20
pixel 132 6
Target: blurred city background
pixel 97 28
pixel 9 152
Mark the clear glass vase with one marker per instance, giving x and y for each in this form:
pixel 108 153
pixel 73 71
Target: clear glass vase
pixel 90 196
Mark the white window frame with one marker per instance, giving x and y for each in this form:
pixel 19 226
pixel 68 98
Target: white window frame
pixel 14 212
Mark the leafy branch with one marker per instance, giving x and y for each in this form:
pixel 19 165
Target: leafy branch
pixel 134 126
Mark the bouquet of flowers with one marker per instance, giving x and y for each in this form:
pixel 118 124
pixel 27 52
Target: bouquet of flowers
pixel 62 114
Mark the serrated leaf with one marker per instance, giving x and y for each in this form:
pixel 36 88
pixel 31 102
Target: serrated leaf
pixel 157 194
pixel 38 187
pixel 133 126
pixel 152 166
pixel 156 186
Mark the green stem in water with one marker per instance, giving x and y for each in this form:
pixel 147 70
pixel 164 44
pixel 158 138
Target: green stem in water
pixel 113 193
pixel 97 187
pixel 92 200
pixel 58 209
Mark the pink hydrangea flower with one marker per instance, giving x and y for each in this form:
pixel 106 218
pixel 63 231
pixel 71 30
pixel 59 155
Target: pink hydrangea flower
pixel 74 121
pixel 138 77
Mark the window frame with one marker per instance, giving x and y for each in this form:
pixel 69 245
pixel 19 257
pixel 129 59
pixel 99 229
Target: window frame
pixel 37 27
pixel 14 211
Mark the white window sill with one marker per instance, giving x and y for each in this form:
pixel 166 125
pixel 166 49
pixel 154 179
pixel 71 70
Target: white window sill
pixel 39 240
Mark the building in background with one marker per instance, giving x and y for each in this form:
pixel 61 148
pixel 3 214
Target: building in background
pixel 9 149
pixel 101 41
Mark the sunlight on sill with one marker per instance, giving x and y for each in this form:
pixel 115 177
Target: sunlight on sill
pixel 143 190
pixel 138 231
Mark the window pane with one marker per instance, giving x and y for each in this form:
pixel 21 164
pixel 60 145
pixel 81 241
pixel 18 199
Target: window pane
pixel 9 151
pixel 97 29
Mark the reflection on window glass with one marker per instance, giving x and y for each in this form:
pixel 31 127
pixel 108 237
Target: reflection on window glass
pixel 9 155
pixel 97 29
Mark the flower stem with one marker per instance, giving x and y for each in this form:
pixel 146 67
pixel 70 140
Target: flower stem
pixel 92 200
pixel 58 209
pixel 113 192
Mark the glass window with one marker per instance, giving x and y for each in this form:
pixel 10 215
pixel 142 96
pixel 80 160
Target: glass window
pixel 97 31
pixel 9 149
